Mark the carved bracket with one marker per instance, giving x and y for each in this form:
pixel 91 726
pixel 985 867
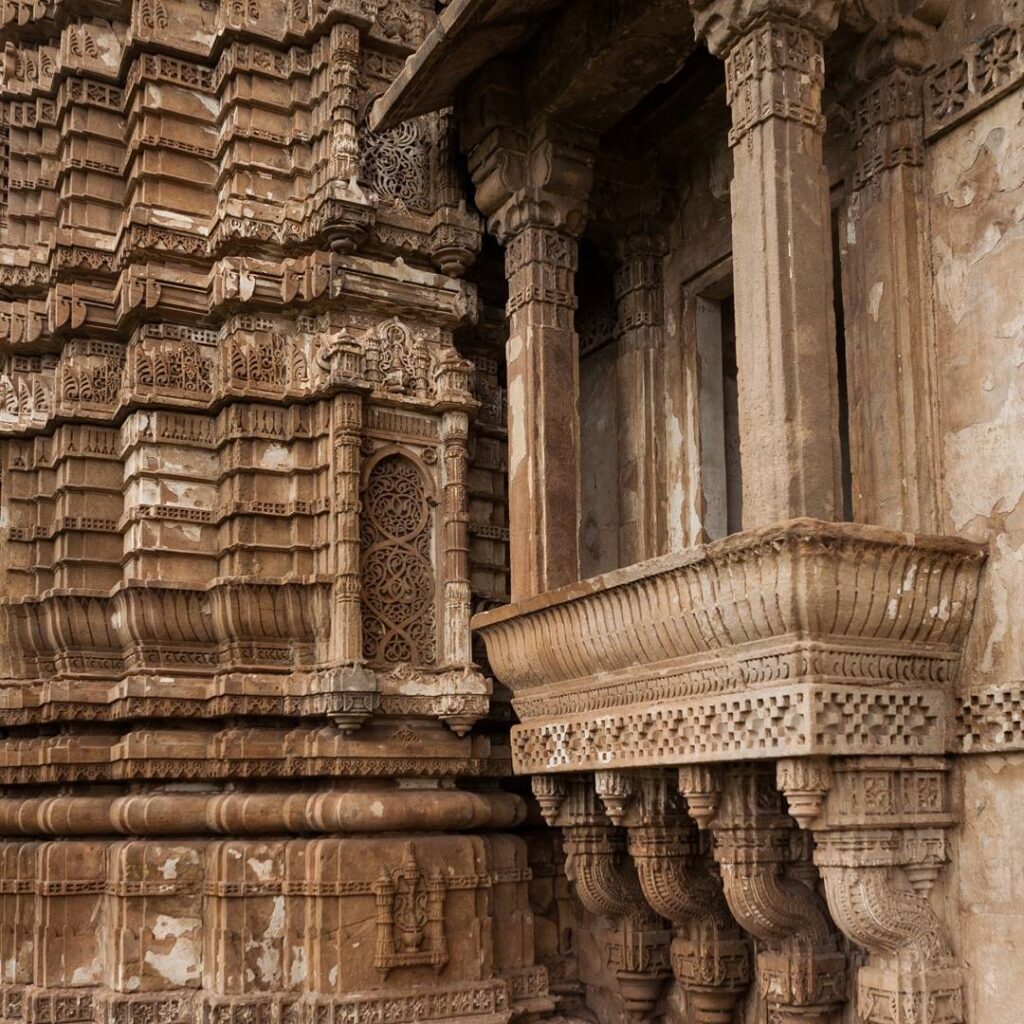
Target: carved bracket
pixel 801 972
pixel 607 884
pixel 879 827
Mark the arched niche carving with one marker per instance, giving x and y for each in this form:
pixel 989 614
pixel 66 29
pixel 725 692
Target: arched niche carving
pixel 398 561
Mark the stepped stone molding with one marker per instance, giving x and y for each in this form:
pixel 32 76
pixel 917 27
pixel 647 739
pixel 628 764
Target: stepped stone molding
pixel 794 640
pixel 249 766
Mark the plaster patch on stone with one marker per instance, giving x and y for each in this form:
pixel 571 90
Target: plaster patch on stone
pixel 88 974
pixel 268 961
pixel 875 299
pixel 300 969
pixel 262 869
pixel 276 456
pixel 180 965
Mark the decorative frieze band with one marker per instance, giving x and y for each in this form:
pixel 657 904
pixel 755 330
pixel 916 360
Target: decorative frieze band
pixel 987 70
pixel 991 719
pixel 771 722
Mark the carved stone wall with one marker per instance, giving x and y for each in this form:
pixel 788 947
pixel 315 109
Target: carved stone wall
pixel 240 777
pixel 277 418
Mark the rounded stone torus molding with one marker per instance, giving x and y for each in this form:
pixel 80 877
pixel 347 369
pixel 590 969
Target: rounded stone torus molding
pixel 366 810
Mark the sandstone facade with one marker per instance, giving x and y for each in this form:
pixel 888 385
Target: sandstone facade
pixel 679 342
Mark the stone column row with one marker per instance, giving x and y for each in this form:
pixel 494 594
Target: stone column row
pixel 782 257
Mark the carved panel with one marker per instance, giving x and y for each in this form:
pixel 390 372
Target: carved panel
pixel 398 582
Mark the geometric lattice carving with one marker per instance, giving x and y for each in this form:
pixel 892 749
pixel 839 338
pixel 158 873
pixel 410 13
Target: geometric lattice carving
pixel 396 164
pixel 396 536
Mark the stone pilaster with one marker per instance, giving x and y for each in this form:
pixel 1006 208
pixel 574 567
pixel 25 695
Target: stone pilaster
pixel 344 82
pixel 455 437
pixel 640 299
pixel 785 330
pixel 890 329
pixel 346 436
pixel 349 691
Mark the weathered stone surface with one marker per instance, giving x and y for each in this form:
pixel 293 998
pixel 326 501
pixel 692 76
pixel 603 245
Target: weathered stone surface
pixel 321 516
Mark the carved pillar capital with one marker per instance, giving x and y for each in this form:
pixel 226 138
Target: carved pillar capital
pixel 541 178
pixel 879 844
pixel 724 23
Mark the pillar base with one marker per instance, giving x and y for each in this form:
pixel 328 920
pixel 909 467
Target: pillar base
pixel 887 995
pixel 802 987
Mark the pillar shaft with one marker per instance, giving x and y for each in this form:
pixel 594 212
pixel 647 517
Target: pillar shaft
pixel 782 257
pixel 543 398
pixel 638 293
pixel 890 331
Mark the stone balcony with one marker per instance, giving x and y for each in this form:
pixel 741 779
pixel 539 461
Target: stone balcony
pixel 790 691
pixel 806 638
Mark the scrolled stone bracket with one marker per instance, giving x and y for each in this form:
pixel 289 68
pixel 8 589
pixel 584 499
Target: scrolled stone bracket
pixel 879 827
pixel 801 972
pixel 608 885
pixel 710 956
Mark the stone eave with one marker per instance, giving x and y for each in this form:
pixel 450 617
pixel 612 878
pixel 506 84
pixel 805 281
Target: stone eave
pixel 467 35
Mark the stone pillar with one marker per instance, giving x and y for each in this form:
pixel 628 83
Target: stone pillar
pixel 543 410
pixel 534 188
pixel 455 437
pixel 782 253
pixel 890 329
pixel 639 297
pixel 343 161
